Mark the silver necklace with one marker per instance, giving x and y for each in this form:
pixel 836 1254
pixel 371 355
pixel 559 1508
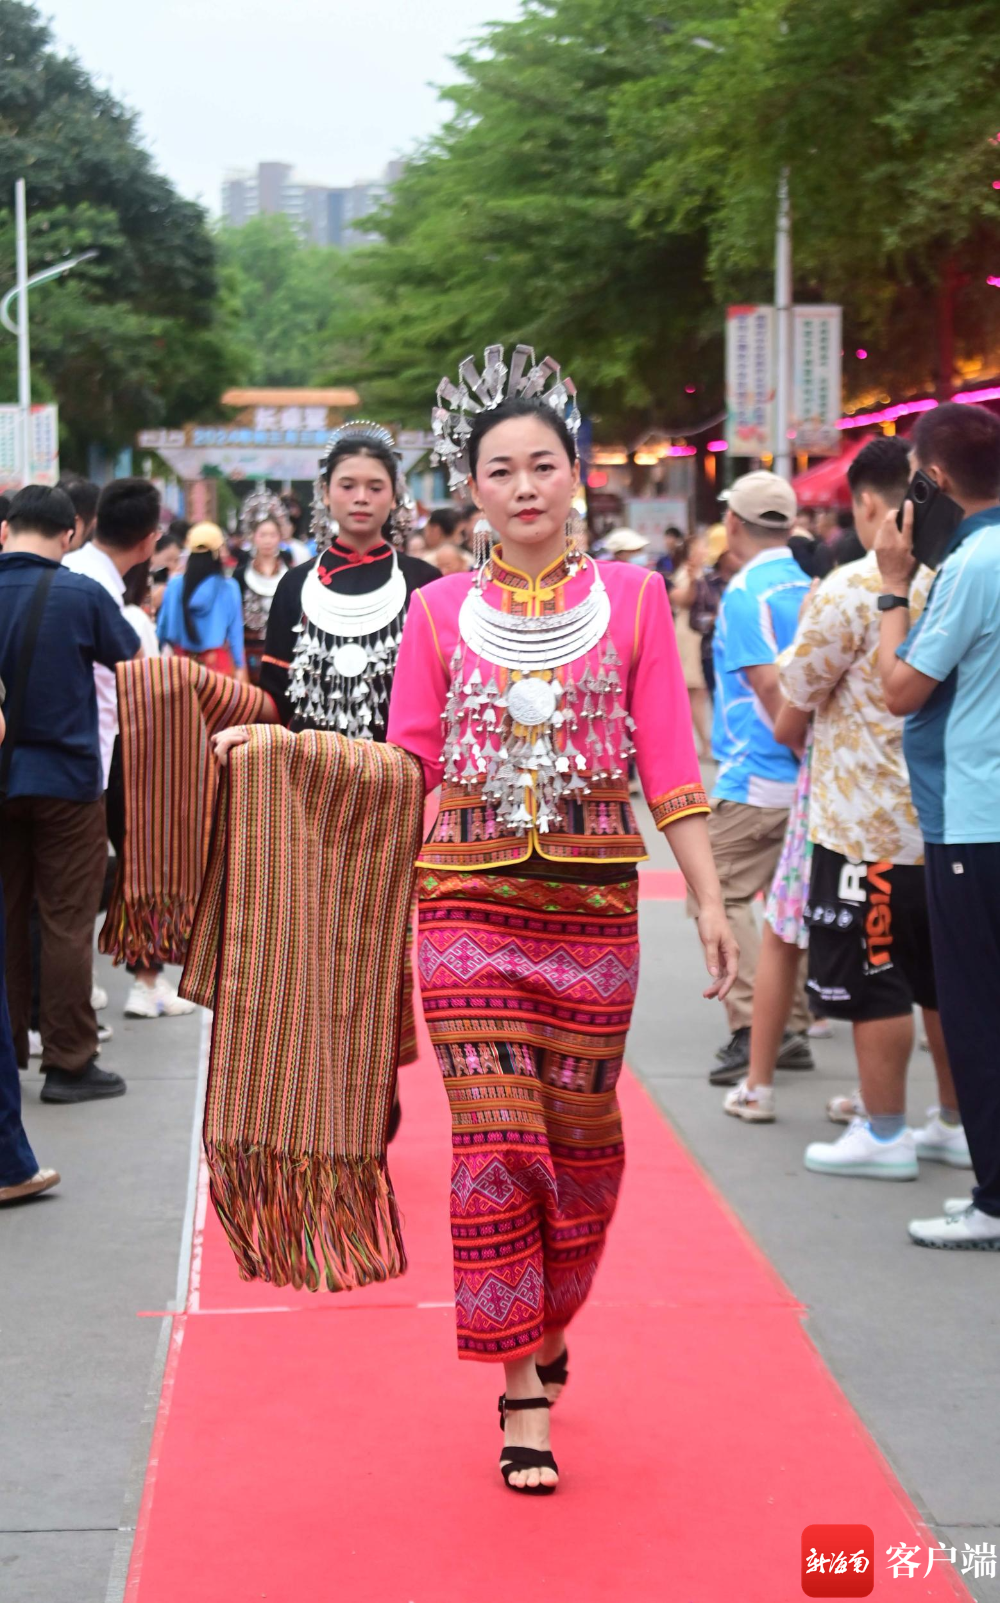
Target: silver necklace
pixel 345 657
pixel 350 617
pixel 533 644
pixel 514 742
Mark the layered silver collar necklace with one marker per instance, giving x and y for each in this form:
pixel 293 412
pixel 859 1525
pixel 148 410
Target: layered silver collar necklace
pixel 345 657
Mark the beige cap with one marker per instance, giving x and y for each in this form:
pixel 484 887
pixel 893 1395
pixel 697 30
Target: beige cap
pixel 763 498
pixel 625 540
pixel 205 537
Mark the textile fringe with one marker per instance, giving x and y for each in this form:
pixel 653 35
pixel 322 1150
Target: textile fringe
pixel 146 930
pixel 306 1221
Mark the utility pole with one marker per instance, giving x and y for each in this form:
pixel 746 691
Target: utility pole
pixel 784 318
pixel 23 345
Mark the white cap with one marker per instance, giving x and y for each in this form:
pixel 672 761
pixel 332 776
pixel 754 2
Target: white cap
pixel 763 498
pixel 625 540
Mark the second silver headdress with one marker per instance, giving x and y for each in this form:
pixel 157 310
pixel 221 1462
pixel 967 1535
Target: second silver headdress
pixel 458 405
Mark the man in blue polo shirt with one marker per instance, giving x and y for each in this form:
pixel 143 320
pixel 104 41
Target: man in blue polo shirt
pixel 756 780
pixel 944 674
pixel 53 839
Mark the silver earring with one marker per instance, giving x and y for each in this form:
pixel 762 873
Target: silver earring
pixel 320 526
pixel 482 541
pixel 401 522
pixel 574 551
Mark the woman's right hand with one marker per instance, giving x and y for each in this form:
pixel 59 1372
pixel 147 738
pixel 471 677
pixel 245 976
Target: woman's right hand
pixel 224 742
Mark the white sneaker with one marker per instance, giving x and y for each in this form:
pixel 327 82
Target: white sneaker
pixel 168 999
pixel 98 998
pixel 104 1032
pixel 947 1144
pixel 149 1002
pixel 955 1205
pixel 968 1229
pixel 141 1002
pixel 859 1153
pixel 843 1109
pixel 756 1106
pixel 820 1030
pixel 34 1044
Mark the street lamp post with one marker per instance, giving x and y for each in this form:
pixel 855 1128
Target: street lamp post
pixel 783 317
pixel 782 309
pixel 21 287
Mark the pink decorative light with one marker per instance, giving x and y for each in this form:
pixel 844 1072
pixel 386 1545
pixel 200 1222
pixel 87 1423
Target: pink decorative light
pixel 861 354
pixel 994 280
pixel 689 389
pixel 906 409
pixel 996 183
pixel 717 445
pixel 683 451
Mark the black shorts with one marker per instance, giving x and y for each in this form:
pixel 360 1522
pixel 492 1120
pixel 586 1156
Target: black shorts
pixel 869 938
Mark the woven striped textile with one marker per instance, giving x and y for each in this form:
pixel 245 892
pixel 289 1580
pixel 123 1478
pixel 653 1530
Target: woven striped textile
pixel 299 945
pixel 168 707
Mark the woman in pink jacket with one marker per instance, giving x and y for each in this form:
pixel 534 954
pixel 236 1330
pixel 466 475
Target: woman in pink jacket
pixel 524 689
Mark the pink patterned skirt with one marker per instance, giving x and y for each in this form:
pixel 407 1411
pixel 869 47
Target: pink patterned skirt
pixel 528 982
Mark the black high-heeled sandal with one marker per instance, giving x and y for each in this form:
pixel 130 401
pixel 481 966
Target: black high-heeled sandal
pixel 556 1373
pixel 512 1459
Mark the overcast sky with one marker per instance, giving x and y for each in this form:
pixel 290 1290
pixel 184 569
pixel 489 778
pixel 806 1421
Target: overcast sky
pixel 336 87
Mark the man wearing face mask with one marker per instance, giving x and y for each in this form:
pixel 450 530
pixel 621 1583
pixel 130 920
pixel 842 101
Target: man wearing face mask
pixel 943 674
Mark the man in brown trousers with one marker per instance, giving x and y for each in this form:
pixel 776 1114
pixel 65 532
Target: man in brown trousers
pixel 54 626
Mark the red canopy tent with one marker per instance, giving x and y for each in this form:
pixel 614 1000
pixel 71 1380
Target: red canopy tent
pixel 825 485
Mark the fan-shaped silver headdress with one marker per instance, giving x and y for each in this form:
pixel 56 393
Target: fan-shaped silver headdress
pixel 320 526
pixel 457 405
pixel 259 506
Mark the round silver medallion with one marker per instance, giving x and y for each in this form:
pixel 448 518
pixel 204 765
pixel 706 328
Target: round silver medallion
pixel 350 660
pixel 531 701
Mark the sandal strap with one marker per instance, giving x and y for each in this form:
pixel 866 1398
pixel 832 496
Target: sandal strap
pixel 556 1372
pixel 508 1405
pixel 528 1459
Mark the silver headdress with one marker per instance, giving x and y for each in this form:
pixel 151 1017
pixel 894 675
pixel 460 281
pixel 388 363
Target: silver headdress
pixel 320 526
pixel 457 405
pixel 259 506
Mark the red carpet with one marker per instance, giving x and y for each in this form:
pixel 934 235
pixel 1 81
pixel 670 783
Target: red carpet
pixel 333 1448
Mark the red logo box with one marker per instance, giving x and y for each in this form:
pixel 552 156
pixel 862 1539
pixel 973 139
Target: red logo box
pixel 838 1561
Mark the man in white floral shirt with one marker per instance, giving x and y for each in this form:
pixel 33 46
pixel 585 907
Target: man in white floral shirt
pixel 869 936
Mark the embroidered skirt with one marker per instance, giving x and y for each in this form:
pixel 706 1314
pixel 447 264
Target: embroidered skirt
pixel 528 981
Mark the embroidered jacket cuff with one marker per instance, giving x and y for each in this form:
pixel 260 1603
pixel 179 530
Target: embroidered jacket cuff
pixel 676 804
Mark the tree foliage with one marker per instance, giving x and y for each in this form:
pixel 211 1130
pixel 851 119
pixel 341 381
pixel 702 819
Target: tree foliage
pixel 296 304
pixel 142 335
pixel 607 182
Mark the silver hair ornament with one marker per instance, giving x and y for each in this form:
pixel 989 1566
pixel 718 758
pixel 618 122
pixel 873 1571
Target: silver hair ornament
pixel 457 405
pixel 260 507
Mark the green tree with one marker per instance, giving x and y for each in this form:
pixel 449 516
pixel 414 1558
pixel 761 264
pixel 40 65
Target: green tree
pixel 143 335
pixel 607 182
pixel 511 226
pixel 872 107
pixel 296 304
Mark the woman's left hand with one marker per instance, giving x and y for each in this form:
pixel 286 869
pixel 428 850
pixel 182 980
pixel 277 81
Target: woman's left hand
pixel 722 954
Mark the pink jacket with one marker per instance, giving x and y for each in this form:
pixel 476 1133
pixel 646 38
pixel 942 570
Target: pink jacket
pixel 595 822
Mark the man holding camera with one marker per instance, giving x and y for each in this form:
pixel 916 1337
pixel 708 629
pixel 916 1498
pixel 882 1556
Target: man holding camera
pixel 943 674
